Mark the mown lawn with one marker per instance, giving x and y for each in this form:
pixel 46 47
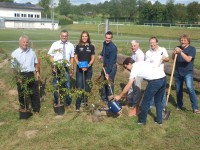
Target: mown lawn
pixel 83 131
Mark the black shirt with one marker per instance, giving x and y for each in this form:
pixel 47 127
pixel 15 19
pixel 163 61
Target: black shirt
pixel 84 52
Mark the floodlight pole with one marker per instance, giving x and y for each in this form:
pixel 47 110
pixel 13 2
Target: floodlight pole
pixel 107 26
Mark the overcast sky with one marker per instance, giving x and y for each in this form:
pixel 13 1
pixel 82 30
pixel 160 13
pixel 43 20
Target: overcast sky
pixel 77 2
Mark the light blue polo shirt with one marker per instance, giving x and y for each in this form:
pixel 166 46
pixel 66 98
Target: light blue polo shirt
pixel 24 60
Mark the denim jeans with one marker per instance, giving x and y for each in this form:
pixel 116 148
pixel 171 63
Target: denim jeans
pixel 108 90
pixel 66 85
pixel 179 90
pixel 82 79
pixel 163 101
pixel 156 89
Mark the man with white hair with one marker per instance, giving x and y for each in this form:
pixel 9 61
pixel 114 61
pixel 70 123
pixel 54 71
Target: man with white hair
pixel 134 92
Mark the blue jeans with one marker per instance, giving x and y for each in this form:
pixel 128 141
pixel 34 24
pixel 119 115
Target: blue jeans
pixel 179 90
pixel 107 90
pixel 163 101
pixel 82 83
pixel 66 85
pixel 156 89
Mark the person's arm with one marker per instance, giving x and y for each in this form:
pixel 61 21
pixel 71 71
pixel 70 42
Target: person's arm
pixel 76 58
pixel 179 51
pixel 72 66
pixel 125 90
pixel 92 60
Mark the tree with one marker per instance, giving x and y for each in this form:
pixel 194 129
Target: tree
pixel 193 11
pixel 170 11
pixel 47 11
pixel 157 12
pixel 7 1
pixel 128 9
pixel 64 7
pixel 180 13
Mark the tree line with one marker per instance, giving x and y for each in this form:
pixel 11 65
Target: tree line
pixel 138 11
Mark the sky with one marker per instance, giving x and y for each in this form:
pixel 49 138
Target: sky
pixel 78 2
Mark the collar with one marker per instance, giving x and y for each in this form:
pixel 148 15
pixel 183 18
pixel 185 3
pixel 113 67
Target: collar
pixel 23 51
pixel 63 42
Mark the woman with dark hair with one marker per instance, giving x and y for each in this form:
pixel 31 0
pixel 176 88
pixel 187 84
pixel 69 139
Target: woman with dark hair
pixel 84 52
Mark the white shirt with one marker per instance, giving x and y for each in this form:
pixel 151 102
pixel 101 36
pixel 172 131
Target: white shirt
pixel 24 61
pixel 146 70
pixel 138 55
pixel 56 51
pixel 155 57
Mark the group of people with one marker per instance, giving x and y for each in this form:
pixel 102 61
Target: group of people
pixel 148 66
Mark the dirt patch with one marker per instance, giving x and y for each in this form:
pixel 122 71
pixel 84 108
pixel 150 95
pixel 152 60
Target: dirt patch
pixel 2 84
pixel 58 117
pixel 12 93
pixel 3 63
pixel 31 133
pixel 2 123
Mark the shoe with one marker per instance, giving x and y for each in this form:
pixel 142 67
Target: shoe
pixel 36 113
pixel 196 111
pixel 141 123
pixel 177 108
pixel 166 115
pixel 77 110
pixel 160 123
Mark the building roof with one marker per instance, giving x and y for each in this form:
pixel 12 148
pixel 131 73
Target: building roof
pixel 20 6
pixel 28 19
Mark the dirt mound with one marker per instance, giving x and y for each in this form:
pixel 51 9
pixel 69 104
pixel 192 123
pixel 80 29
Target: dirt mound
pixel 3 63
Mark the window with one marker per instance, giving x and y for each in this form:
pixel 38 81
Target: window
pixel 17 15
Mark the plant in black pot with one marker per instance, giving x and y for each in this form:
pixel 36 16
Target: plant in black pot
pixel 60 92
pixel 25 87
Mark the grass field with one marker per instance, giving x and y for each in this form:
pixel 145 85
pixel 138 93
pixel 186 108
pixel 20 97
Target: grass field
pixel 81 131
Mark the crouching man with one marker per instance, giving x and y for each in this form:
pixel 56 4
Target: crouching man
pixel 156 79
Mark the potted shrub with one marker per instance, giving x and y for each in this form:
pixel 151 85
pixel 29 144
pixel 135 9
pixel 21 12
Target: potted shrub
pixel 24 111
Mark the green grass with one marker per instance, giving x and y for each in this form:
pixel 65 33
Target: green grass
pixel 72 131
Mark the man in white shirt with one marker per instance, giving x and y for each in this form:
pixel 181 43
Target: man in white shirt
pixel 62 52
pixel 157 56
pixel 155 88
pixel 134 92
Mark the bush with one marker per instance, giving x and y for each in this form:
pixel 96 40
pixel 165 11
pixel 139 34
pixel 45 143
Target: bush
pixel 63 20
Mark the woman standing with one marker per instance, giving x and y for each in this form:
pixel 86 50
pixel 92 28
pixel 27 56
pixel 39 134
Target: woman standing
pixel 84 51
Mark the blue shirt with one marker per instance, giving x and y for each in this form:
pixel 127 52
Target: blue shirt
pixel 182 67
pixel 109 54
pixel 24 60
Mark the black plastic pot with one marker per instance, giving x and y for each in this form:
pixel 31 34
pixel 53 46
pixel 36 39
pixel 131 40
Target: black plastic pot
pixel 59 109
pixel 24 114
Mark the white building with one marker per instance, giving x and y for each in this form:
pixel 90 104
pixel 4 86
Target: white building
pixel 17 15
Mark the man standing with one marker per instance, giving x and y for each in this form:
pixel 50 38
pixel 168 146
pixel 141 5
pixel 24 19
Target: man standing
pixel 155 88
pixel 134 92
pixel 62 53
pixel 24 63
pixel 109 58
pixel 184 72
pixel 157 56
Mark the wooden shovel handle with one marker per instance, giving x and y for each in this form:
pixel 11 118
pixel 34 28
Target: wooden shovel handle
pixel 171 78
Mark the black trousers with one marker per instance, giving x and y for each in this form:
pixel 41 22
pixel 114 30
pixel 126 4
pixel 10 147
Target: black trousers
pixel 28 92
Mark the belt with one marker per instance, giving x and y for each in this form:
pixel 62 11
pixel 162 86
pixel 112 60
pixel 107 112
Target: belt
pixel 157 79
pixel 106 65
pixel 26 73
